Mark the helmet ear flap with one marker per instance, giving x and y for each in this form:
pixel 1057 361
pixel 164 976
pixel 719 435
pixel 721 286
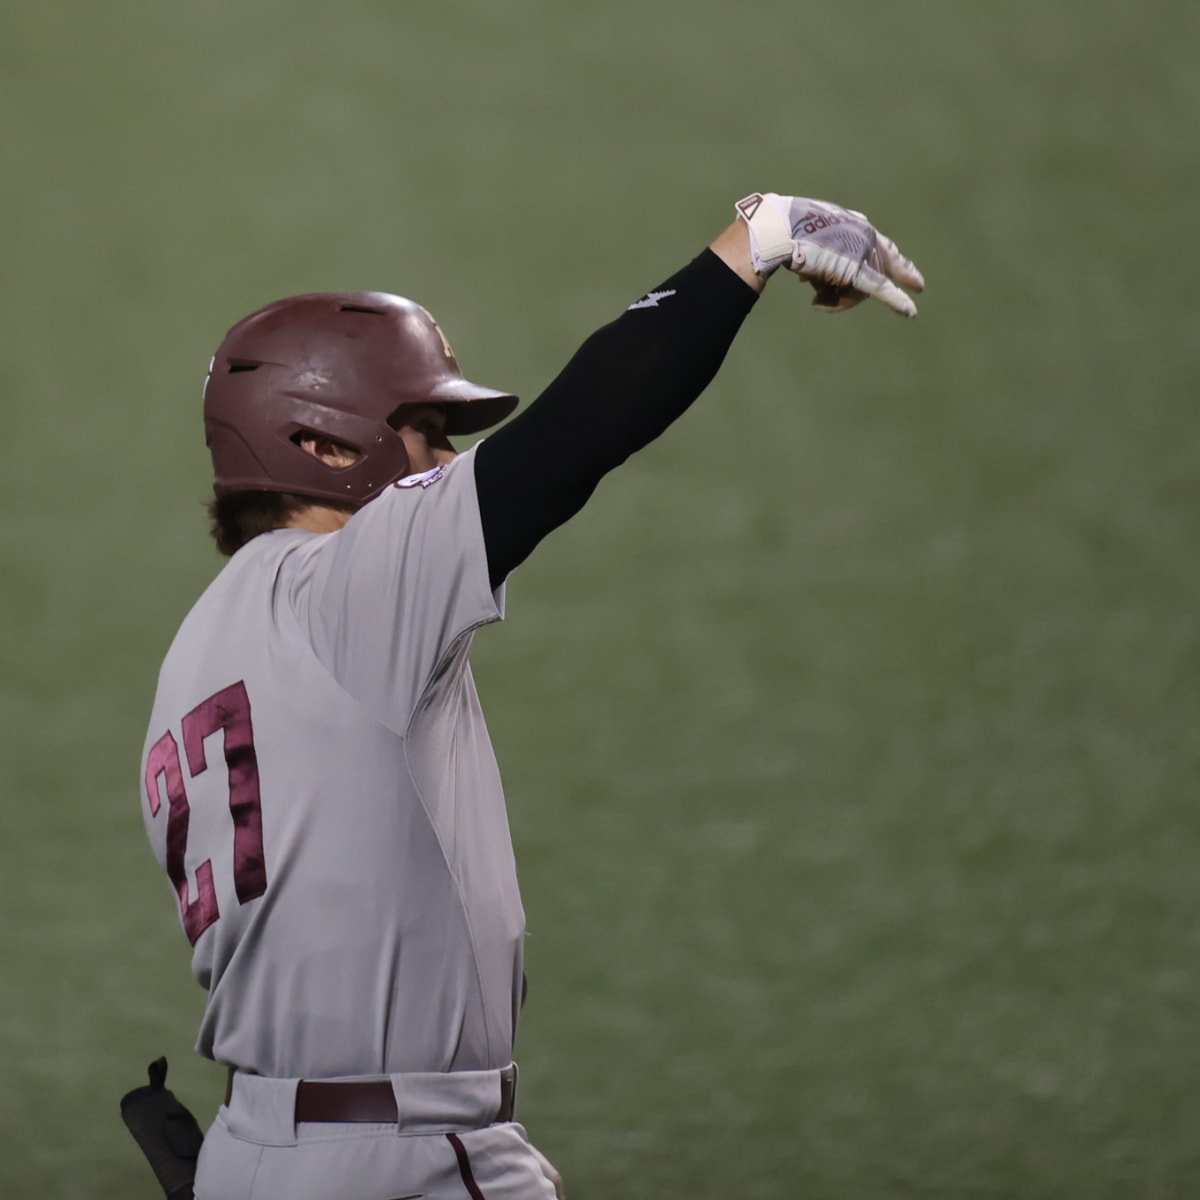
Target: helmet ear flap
pixel 343 366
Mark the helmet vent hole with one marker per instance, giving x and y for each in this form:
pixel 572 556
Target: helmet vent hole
pixel 362 308
pixel 237 365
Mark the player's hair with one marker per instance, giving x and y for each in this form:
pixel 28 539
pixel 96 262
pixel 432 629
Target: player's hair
pixel 239 517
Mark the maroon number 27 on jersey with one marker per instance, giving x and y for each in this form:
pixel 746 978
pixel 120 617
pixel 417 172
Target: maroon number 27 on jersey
pixel 228 710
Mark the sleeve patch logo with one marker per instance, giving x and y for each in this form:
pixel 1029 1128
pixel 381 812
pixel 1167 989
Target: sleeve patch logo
pixel 422 480
pixel 650 300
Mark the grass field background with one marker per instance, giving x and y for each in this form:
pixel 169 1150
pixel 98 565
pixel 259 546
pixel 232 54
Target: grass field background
pixel 850 734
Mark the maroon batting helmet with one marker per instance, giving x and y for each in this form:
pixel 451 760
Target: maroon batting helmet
pixel 340 365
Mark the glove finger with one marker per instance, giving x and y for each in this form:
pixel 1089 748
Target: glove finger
pixel 896 266
pixel 882 288
pixel 834 299
pixel 823 265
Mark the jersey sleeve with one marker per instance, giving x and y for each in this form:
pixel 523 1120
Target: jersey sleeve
pixel 387 599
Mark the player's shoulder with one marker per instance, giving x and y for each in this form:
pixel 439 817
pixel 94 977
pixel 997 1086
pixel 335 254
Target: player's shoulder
pixel 252 571
pixel 262 557
pixel 458 472
pixel 440 494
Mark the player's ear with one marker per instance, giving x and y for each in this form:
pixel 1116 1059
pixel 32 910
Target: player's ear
pixel 332 454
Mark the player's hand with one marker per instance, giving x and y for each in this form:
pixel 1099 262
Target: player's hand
pixel 843 256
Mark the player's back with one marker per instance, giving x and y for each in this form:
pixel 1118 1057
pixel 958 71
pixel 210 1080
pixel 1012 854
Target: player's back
pixel 350 892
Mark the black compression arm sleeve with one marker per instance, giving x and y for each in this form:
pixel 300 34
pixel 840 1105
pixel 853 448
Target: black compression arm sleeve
pixel 623 387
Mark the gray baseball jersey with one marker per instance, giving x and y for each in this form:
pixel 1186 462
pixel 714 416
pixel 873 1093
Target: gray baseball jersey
pixel 319 786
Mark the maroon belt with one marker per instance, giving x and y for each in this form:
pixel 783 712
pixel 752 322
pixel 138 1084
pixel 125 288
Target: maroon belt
pixel 372 1102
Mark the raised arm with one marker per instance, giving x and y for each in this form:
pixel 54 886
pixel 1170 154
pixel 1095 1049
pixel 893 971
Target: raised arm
pixel 636 375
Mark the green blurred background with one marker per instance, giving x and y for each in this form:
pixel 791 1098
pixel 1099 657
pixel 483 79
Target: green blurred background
pixel 850 733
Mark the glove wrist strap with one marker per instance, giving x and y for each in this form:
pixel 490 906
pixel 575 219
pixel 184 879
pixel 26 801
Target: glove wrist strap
pixel 771 241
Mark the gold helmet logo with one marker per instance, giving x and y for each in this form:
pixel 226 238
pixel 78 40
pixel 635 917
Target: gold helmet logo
pixel 445 340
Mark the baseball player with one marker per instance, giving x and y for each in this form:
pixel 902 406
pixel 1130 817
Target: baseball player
pixel 317 780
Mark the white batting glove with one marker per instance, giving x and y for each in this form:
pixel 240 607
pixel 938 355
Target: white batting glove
pixel 836 249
